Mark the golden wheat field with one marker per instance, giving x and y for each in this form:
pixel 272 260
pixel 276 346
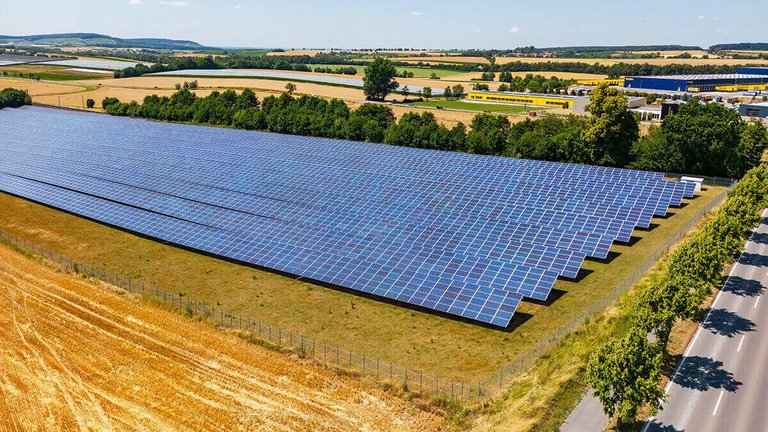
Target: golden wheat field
pixel 82 355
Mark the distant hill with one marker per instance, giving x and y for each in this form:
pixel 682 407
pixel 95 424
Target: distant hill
pixel 99 40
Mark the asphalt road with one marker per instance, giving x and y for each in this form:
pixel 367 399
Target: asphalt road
pixel 721 383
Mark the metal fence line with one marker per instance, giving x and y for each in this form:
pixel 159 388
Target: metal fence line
pixel 378 370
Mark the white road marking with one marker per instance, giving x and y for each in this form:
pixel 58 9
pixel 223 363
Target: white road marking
pixel 719 398
pixel 701 326
pixel 756 300
pixel 741 343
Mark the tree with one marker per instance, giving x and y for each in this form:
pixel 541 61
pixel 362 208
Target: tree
pixel 625 374
pixel 404 91
pixel 707 136
pixel 488 134
pixel 457 90
pixel 448 93
pixel 480 86
pixel 90 103
pixel 247 99
pixel 754 141
pixel 290 88
pixel 379 79
pixel 426 92
pixel 434 76
pixel 612 128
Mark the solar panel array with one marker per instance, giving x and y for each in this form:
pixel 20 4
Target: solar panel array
pixel 86 63
pixel 463 234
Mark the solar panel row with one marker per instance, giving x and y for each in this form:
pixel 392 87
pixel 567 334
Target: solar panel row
pixel 463 234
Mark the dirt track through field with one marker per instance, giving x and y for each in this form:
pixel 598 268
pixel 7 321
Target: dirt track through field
pixel 79 356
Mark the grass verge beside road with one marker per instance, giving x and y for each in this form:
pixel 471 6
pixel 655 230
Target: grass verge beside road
pixel 479 107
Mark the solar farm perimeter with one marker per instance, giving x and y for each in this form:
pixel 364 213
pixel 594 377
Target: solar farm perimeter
pixel 451 240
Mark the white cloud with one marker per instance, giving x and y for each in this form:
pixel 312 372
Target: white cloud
pixel 514 30
pixel 236 6
pixel 723 31
pixel 701 17
pixel 717 18
pixel 476 31
pixel 134 2
pixel 174 3
pixel 417 13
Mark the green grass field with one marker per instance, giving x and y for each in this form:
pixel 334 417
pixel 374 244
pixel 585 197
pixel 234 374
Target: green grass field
pixel 63 76
pixel 479 107
pixel 417 71
pixel 418 340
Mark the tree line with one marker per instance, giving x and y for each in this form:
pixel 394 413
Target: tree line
pixel 700 139
pixel 618 69
pixel 533 83
pixel 626 372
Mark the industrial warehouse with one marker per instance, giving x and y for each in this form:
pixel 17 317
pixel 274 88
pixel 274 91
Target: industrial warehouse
pixel 745 79
pixel 577 104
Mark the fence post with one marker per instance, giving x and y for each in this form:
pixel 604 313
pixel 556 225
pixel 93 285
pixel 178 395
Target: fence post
pixel 501 377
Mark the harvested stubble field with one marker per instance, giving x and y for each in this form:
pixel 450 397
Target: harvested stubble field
pixel 418 340
pixel 42 88
pixel 77 354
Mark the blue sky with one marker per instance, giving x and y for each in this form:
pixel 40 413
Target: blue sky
pixel 398 23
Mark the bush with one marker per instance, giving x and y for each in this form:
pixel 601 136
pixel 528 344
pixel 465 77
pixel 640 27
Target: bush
pixel 106 102
pixel 14 98
pixel 90 103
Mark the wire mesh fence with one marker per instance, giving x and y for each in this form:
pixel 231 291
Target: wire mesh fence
pixel 707 181
pixel 332 356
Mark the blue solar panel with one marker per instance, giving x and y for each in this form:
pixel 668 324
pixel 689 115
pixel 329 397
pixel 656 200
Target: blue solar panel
pixel 463 234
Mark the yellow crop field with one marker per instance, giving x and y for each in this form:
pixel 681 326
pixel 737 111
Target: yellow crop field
pixel 82 355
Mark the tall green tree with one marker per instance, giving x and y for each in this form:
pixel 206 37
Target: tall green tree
pixel 626 374
pixel 707 137
pixel 379 79
pixel 612 128
pixel 488 134
pixel 754 141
